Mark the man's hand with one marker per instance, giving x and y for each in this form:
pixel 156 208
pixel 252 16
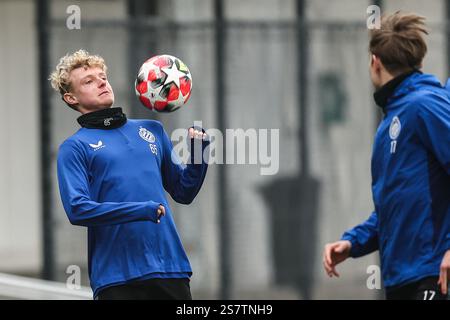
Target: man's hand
pixel 196 134
pixel 195 145
pixel 333 254
pixel 444 274
pixel 161 212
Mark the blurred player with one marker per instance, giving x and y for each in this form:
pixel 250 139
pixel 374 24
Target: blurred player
pixel 410 225
pixel 112 176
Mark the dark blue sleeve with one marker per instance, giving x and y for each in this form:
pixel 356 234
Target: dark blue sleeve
pixel 73 179
pixel 183 182
pixel 364 237
pixel 433 128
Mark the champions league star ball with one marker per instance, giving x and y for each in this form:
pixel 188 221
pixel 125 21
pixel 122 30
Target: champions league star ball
pixel 163 84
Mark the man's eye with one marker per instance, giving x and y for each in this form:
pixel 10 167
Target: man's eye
pixel 89 81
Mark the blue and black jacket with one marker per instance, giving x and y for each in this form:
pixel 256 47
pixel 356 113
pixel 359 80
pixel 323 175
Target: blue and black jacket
pixel 410 225
pixel 113 181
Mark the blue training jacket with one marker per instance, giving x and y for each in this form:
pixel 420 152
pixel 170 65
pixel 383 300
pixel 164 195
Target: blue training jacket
pixel 410 184
pixel 113 181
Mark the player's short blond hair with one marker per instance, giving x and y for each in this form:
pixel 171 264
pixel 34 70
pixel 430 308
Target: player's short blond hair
pixel 60 77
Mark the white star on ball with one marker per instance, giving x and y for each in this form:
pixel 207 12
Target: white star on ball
pixel 173 74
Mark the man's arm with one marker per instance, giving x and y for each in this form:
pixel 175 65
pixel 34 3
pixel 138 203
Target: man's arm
pixel 73 182
pixel 183 182
pixel 433 128
pixel 359 241
pixel 363 237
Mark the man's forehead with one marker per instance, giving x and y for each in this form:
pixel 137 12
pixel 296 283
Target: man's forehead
pixel 85 71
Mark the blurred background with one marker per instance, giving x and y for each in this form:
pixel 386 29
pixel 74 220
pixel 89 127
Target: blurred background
pixel 300 66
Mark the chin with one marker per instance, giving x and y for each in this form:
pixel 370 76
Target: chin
pixel 107 103
pixel 103 106
pixel 110 102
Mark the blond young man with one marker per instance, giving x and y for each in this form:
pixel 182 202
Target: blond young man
pixel 410 225
pixel 113 174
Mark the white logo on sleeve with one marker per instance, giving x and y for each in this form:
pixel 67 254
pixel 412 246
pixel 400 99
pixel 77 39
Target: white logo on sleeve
pixel 97 146
pixel 394 132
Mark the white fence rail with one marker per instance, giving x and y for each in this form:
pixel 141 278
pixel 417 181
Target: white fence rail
pixel 17 287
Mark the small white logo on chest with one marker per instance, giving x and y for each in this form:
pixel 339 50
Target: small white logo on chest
pixel 394 129
pixel 146 135
pixel 149 137
pixel 97 146
pixel 394 132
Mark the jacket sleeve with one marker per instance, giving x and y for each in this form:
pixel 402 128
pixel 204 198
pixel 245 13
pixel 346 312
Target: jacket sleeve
pixel 364 237
pixel 73 180
pixel 433 129
pixel 183 181
pixel 448 241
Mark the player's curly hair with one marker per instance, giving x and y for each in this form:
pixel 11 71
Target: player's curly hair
pixel 399 43
pixel 81 58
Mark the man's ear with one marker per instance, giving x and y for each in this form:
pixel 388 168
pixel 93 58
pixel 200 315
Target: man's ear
pixel 69 98
pixel 375 61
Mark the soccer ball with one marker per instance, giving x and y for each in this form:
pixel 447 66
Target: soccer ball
pixel 163 84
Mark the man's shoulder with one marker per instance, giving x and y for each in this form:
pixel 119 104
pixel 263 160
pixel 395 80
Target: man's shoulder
pixel 146 122
pixel 156 127
pixel 425 103
pixel 429 98
pixel 76 139
pixel 70 143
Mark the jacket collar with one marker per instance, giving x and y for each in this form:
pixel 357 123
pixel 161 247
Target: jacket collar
pixel 106 119
pixel 386 92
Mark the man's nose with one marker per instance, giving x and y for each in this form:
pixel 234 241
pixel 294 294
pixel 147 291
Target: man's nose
pixel 101 82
